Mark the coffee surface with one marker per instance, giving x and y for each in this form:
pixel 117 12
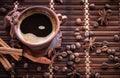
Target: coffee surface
pixel 38 24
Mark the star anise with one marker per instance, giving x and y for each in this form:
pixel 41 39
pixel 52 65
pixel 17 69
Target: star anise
pixel 104 17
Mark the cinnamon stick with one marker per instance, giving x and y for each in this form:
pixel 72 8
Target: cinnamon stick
pixel 2 43
pixel 4 50
pixel 5 63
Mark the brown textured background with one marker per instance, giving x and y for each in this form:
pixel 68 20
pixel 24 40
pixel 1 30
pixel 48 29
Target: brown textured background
pixel 73 9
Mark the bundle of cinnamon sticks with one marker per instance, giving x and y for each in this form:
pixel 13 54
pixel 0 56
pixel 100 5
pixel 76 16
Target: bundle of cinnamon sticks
pixel 6 49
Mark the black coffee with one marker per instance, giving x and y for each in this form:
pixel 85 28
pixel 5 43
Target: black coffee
pixel 37 24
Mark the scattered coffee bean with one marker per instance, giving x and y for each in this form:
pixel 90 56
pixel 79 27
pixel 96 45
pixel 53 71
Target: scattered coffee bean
pixel 109 11
pixel 113 51
pixel 56 68
pixel 78 37
pixel 64 69
pixel 77 30
pixel 70 63
pixel 72 57
pixel 116 59
pixel 92 6
pixel 46 74
pixel 107 6
pixel 76 33
pixel 104 65
pixel 116 38
pixel 78 21
pixel 105 43
pixel 111 57
pixel 77 54
pixel 98 51
pixel 78 45
pixel 60 58
pixel 69 52
pixel 39 68
pixel 117 65
pixel 104 48
pixel 95 24
pixel 77 60
pixel 68 47
pixel 109 51
pixel 72 47
pixel 64 54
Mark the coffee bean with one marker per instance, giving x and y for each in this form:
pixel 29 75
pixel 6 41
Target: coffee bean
pixel 104 65
pixel 78 45
pixel 64 69
pixel 68 47
pixel 64 54
pixel 92 6
pixel 73 47
pixel 78 21
pixel 70 63
pixel 77 30
pixel 79 37
pixel 116 38
pixel 117 65
pixel 72 57
pixel 77 60
pixel 98 51
pixel 111 57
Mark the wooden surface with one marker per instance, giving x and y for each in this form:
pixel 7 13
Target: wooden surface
pixel 73 9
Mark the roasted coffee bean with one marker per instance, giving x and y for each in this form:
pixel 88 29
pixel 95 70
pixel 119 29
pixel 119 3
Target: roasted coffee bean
pixel 3 10
pixel 111 57
pixel 104 65
pixel 76 33
pixel 59 1
pixel 116 59
pixel 64 54
pixel 86 40
pixel 77 54
pixel 60 58
pixel 72 57
pixel 78 45
pixel 39 68
pixel 77 75
pixel 107 6
pixel 68 47
pixel 25 65
pixel 97 75
pixel 64 69
pixel 91 33
pixel 116 38
pixel 113 51
pixel 79 37
pixel 95 24
pixel 98 51
pixel 69 52
pixel 70 63
pixel 78 21
pixel 46 74
pixel 56 68
pixel 87 34
pixel 77 60
pixel 92 6
pixel 104 48
pixel 117 65
pixel 72 47
pixel 92 75
pixel 109 11
pixel 105 43
pixel 77 30
pixel 109 51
